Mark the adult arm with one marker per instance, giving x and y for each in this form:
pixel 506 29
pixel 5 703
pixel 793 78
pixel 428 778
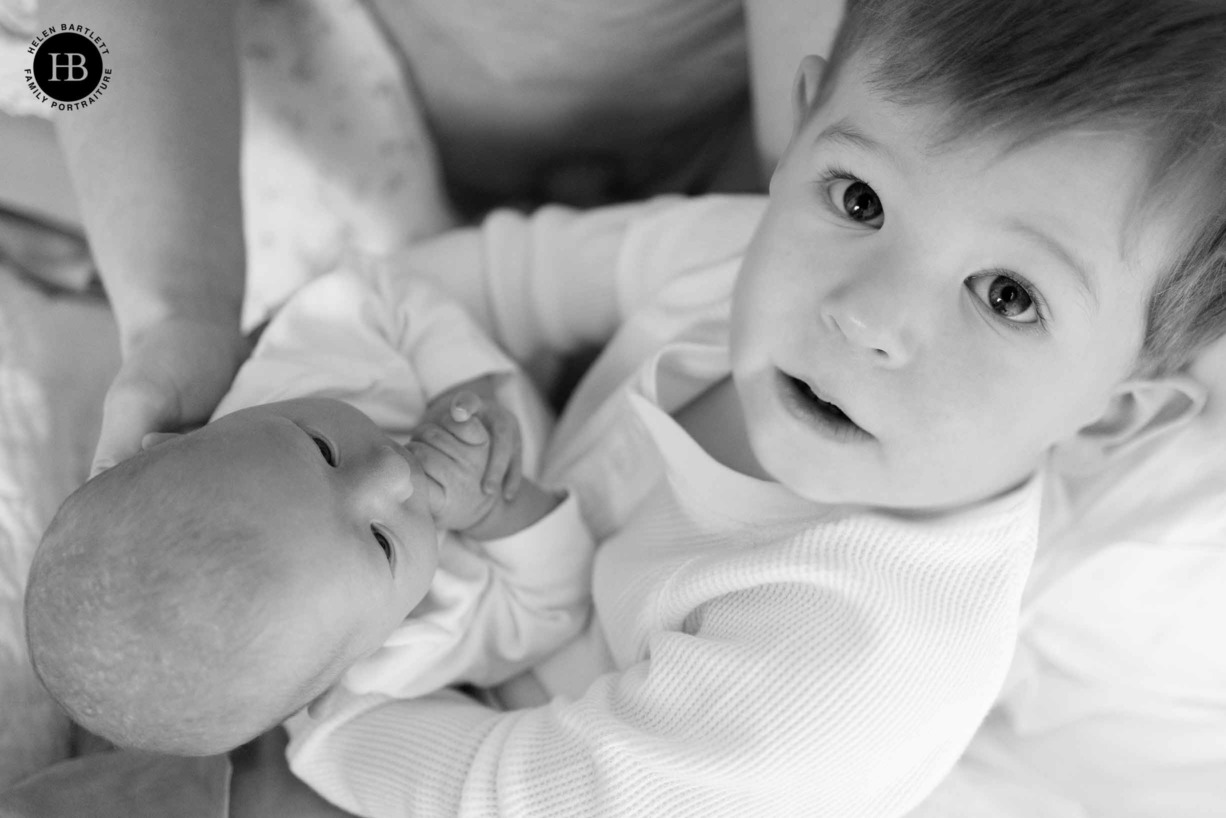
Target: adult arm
pixel 155 165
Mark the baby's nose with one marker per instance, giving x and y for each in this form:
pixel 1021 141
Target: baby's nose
pixel 389 476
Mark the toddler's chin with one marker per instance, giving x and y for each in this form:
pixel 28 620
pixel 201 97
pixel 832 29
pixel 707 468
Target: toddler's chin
pixel 791 474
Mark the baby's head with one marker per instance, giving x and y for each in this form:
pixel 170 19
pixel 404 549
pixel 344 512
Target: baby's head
pixel 199 593
pixel 997 235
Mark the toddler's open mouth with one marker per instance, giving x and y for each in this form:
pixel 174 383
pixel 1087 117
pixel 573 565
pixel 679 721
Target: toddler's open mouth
pixel 828 417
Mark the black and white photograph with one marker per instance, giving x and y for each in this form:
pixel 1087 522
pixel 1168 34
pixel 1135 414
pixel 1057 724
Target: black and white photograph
pixel 645 408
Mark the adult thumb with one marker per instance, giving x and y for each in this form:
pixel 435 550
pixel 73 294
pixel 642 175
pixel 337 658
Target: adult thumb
pixel 132 409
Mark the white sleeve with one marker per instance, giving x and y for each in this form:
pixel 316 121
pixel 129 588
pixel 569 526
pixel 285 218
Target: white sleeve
pixel 494 609
pixel 780 699
pixel 561 279
pixel 383 344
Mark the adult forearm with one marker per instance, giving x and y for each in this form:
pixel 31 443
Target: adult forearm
pixel 155 162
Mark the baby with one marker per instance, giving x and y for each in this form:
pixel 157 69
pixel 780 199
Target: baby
pixel 197 594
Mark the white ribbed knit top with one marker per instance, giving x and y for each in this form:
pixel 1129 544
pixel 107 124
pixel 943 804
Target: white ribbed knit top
pixel 751 654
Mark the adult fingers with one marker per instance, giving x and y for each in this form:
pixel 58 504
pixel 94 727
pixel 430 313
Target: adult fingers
pixel 133 408
pixel 172 376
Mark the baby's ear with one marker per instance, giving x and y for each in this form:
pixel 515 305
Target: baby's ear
pixel 156 438
pixel 806 88
pixel 1139 411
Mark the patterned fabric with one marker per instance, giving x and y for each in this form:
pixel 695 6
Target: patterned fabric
pixel 336 156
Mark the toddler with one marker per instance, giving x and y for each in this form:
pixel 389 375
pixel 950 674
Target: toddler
pixel 197 594
pixel 811 449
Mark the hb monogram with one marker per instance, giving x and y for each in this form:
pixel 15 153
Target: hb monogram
pixel 74 63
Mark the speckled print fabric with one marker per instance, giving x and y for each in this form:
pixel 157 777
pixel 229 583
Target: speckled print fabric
pixel 336 157
pixel 17 27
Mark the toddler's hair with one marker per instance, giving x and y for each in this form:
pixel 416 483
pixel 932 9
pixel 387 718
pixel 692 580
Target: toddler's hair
pixel 144 601
pixel 1026 69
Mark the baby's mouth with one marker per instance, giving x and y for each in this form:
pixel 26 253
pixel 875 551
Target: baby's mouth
pixel 826 411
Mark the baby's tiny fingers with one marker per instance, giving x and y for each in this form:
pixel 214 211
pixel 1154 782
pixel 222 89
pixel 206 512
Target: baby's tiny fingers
pixel 469 459
pixel 440 438
pixel 464 405
pixel 471 431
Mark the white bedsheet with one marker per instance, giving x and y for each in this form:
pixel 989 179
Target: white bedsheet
pixel 56 359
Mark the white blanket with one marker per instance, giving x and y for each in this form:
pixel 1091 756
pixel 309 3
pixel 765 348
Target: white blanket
pixel 56 358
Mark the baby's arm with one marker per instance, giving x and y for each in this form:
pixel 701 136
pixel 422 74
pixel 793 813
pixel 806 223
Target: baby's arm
pixel 347 335
pixel 497 606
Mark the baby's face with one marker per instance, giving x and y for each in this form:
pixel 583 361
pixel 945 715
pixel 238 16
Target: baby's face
pixel 344 511
pixel 964 307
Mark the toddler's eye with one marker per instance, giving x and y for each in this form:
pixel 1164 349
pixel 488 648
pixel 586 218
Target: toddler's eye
pixel 384 544
pixel 858 202
pixel 1007 297
pixel 325 448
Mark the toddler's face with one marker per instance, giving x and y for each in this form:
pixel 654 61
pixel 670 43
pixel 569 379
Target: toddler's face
pixel 915 326
pixel 345 512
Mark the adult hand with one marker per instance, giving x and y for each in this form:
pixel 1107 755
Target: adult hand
pixel 173 376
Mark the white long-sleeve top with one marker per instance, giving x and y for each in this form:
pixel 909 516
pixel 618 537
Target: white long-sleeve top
pixel 750 653
pixel 387 345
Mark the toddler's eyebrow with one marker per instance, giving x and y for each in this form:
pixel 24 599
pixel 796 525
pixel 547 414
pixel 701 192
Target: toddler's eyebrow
pixel 845 133
pixel 1064 254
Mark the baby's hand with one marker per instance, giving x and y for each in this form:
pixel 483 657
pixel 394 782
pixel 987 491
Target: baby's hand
pixel 476 398
pixel 460 450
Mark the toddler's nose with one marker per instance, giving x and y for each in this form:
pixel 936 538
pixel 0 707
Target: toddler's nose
pixel 873 311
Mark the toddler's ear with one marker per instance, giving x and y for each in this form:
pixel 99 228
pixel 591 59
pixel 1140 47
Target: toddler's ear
pixel 1140 411
pixel 805 89
pixel 155 438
